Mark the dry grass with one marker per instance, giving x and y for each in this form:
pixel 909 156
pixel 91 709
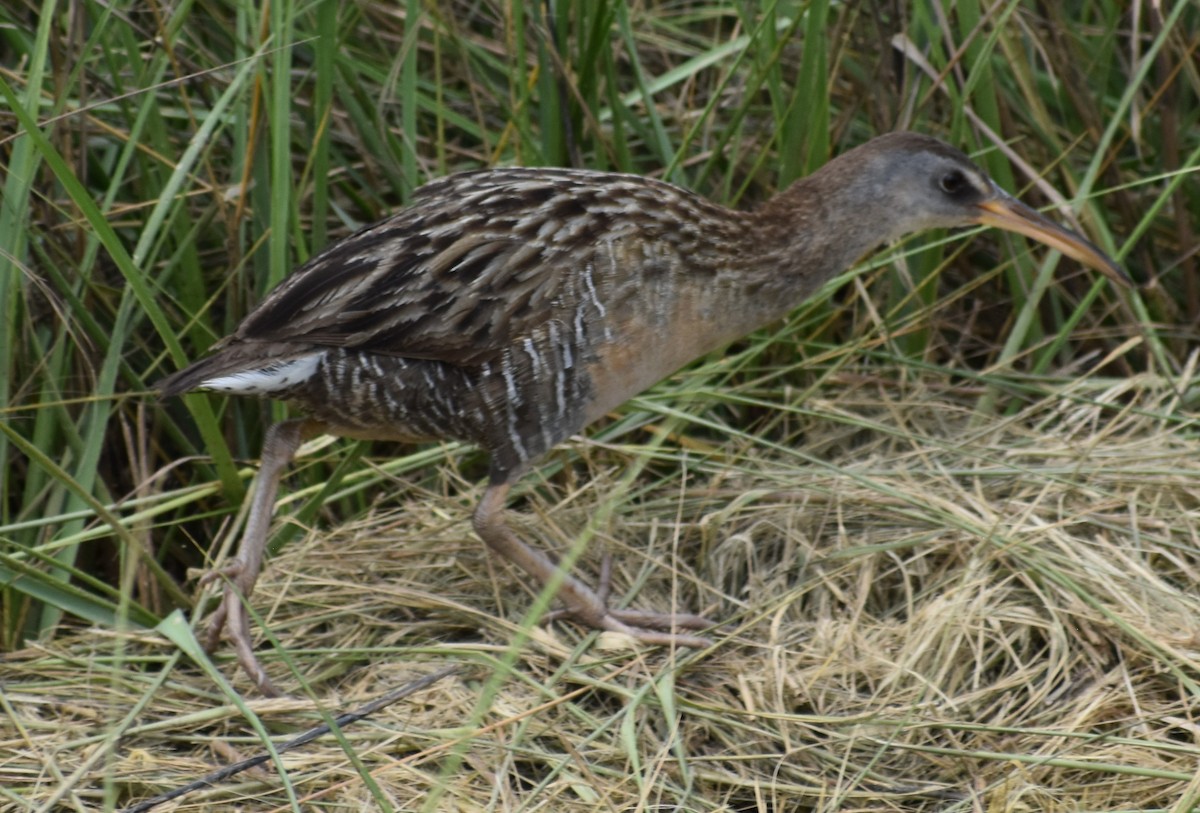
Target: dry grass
pixel 955 614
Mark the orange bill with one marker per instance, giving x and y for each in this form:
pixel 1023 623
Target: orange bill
pixel 1008 213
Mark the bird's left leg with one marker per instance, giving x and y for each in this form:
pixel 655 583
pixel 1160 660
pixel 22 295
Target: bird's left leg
pixel 241 572
pixel 583 603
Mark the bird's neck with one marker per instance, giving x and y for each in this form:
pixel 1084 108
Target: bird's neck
pixel 805 236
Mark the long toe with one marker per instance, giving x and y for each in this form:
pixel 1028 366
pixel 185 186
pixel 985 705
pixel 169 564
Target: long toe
pixel 231 621
pixel 226 572
pixel 232 573
pixel 237 629
pixel 235 572
pixel 654 636
pixel 663 621
pixel 216 626
pixel 587 607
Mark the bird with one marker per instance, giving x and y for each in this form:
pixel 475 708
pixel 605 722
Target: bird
pixel 512 307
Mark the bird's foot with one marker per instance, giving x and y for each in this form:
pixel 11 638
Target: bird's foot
pixel 649 627
pixel 234 574
pixel 232 619
pixel 658 628
pixel 642 625
pixel 591 609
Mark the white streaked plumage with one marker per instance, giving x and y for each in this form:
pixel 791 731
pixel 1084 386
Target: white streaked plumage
pixel 273 378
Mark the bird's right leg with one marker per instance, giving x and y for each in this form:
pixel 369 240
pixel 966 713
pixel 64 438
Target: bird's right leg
pixel 584 604
pixel 241 572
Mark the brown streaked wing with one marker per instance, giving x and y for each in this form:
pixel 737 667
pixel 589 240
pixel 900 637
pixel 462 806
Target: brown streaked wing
pixel 457 277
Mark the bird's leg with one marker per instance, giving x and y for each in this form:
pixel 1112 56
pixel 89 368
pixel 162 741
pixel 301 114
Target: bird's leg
pixel 583 603
pixel 241 572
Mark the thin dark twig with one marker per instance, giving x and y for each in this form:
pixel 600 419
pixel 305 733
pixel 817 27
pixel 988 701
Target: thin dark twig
pixel 308 736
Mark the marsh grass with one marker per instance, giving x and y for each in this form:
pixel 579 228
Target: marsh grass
pixel 947 512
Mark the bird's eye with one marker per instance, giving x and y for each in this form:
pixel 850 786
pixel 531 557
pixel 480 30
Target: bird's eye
pixel 953 182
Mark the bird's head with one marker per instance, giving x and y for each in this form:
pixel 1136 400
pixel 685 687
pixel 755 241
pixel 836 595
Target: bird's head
pixel 913 182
